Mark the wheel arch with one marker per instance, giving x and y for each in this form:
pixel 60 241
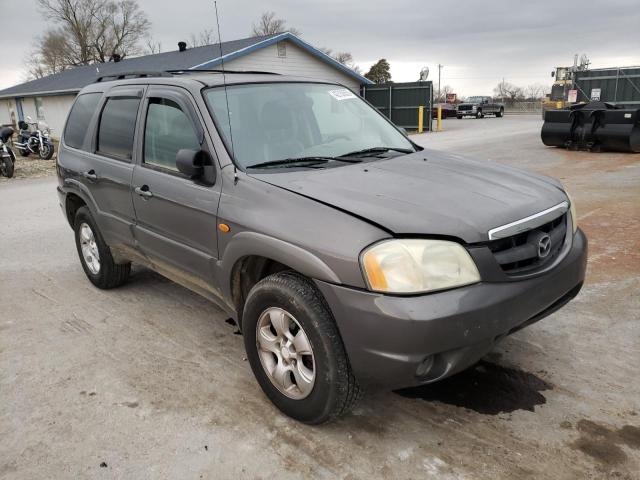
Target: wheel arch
pixel 250 257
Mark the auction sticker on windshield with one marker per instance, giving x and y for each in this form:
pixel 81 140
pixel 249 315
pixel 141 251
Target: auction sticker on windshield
pixel 342 94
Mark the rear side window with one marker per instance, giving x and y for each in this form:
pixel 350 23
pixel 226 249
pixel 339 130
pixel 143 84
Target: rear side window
pixel 117 126
pixel 79 118
pixel 167 130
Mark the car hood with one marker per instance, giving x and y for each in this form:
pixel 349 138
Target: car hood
pixel 427 193
pixel 467 104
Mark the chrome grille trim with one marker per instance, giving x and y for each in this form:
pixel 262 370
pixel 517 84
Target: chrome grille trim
pixel 528 223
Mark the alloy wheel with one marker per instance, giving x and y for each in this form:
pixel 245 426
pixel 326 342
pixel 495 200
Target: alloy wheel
pixel 89 248
pixel 285 353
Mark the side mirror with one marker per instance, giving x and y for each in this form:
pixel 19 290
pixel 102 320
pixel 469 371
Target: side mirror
pixel 197 165
pixel 190 162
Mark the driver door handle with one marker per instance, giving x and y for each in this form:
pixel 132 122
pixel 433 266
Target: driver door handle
pixel 90 175
pixel 143 191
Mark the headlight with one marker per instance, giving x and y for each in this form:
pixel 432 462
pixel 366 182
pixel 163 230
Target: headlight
pixel 574 215
pixel 416 266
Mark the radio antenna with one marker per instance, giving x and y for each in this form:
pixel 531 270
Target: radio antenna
pixel 226 95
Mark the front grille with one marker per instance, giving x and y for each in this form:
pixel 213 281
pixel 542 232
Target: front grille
pixel 520 253
pixel 465 107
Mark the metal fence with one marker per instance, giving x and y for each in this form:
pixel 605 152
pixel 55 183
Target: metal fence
pixel 400 101
pixel 619 85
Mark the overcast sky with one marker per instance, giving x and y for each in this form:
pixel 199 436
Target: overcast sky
pixel 478 43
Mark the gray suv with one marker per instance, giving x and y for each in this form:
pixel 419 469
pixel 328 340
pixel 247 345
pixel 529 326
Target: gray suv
pixel 349 257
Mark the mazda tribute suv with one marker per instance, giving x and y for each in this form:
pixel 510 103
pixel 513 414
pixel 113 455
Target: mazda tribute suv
pixel 350 257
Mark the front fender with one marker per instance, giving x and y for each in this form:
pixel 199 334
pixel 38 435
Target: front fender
pixel 244 244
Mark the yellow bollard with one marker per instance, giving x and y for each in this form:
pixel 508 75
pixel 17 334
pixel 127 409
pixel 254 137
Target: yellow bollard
pixel 420 119
pixel 439 129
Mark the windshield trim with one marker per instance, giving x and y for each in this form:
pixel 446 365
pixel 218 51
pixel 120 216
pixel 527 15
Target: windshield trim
pixel 226 144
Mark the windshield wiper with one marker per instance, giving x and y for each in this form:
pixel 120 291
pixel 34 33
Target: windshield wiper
pixel 314 160
pixel 366 151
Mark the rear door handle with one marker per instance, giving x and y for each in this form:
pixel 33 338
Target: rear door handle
pixel 143 191
pixel 90 175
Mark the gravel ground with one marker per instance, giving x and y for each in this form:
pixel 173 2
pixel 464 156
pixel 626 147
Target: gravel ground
pixel 149 381
pixel 32 166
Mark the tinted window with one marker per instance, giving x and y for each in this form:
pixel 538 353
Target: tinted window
pixel 79 119
pixel 117 125
pixel 167 130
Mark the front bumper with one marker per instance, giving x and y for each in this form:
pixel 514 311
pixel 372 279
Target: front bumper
pixel 388 337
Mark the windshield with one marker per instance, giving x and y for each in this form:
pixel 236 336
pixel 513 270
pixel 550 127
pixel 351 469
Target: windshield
pixel 278 121
pixel 475 99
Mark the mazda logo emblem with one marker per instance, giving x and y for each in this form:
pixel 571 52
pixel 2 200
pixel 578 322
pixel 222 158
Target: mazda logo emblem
pixel 544 246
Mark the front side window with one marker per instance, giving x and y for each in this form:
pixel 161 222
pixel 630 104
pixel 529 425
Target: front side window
pixel 167 130
pixel 117 127
pixel 79 119
pixel 278 121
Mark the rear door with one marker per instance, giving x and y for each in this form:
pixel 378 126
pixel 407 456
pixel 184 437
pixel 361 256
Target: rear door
pixel 105 168
pixel 175 216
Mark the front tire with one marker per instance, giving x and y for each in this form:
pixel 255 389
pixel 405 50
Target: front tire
pixel 95 254
pixel 7 165
pixel 295 350
pixel 479 114
pixel 46 152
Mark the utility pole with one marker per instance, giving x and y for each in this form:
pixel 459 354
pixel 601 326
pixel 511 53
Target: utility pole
pixel 439 68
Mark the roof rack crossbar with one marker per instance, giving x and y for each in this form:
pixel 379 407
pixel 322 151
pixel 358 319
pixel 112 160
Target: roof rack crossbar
pixel 125 75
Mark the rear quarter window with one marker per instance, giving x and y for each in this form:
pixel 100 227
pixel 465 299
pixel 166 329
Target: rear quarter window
pixel 79 119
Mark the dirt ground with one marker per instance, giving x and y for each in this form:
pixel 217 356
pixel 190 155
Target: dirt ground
pixel 149 381
pixel 32 166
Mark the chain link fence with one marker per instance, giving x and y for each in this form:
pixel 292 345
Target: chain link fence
pixel 523 108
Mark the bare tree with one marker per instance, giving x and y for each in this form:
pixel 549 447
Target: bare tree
pixel 344 58
pixel 87 31
pixel 270 25
pixel 50 54
pixel 508 92
pixel 534 91
pixel 78 18
pixel 152 46
pixel 444 91
pixel 205 37
pixel 120 27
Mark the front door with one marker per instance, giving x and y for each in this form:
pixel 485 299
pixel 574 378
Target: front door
pixel 175 216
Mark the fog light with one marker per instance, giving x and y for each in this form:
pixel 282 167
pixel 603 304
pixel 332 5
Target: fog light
pixel 425 366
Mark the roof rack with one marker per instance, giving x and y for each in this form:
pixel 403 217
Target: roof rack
pixel 170 73
pixel 219 70
pixel 125 75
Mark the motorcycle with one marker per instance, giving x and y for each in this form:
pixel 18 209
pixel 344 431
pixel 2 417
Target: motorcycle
pixel 36 141
pixel 7 157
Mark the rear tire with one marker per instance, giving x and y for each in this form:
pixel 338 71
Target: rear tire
pixel 500 113
pixel 95 254
pixel 334 390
